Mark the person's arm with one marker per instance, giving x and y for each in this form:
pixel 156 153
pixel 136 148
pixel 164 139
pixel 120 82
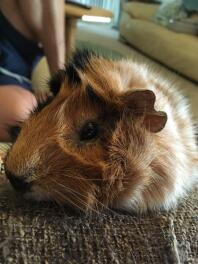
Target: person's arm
pixel 46 19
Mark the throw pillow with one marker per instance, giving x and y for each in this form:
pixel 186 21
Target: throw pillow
pixel 191 5
pixel 171 10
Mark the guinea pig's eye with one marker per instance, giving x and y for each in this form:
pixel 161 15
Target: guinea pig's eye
pixel 89 131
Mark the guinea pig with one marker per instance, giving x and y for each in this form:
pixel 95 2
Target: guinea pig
pixel 114 135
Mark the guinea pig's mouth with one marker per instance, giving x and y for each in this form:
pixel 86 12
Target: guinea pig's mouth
pixel 28 190
pixel 19 183
pixel 37 194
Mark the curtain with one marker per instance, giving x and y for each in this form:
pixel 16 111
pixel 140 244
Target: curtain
pixel 114 6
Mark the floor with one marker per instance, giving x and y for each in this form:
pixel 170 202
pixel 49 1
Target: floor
pixel 103 35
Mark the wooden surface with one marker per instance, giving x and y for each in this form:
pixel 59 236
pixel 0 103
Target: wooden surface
pixel 73 13
pixel 78 12
pixel 70 33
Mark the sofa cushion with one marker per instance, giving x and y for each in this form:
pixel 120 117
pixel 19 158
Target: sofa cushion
pixel 161 44
pixel 141 10
pixel 188 25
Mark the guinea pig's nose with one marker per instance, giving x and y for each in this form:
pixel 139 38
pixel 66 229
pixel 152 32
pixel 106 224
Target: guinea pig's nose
pixel 17 182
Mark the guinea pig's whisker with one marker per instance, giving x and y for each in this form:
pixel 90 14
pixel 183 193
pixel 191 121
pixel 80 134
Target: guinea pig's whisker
pixel 65 198
pixel 87 179
pixel 69 189
pixel 47 188
pixel 79 200
pixel 104 206
pixel 75 194
pixel 98 202
pixel 91 179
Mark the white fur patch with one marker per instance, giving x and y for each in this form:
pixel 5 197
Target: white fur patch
pixel 181 140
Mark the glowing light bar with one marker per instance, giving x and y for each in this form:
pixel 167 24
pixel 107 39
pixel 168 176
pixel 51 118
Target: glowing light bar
pixel 96 19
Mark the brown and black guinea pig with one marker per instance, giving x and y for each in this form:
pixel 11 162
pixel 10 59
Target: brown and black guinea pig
pixel 114 135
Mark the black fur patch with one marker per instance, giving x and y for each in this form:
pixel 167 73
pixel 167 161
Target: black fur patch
pixel 72 74
pixel 42 105
pixel 79 61
pixel 56 81
pixel 94 97
pixel 82 58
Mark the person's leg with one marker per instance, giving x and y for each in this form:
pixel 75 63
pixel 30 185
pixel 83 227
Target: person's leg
pixel 15 105
pixel 46 19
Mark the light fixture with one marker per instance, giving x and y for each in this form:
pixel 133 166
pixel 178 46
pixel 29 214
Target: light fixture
pixel 97 19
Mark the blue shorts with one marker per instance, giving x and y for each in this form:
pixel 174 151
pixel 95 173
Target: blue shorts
pixel 18 56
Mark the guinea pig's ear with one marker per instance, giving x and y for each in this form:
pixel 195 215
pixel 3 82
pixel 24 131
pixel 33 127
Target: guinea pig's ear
pixel 155 121
pixel 141 103
pixel 56 81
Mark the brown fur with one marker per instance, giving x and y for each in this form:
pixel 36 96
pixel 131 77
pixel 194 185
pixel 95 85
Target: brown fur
pixel 128 156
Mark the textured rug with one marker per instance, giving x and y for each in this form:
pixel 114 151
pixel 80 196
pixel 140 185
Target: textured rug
pixel 43 233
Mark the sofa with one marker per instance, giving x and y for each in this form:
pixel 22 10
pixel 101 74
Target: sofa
pixel 178 51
